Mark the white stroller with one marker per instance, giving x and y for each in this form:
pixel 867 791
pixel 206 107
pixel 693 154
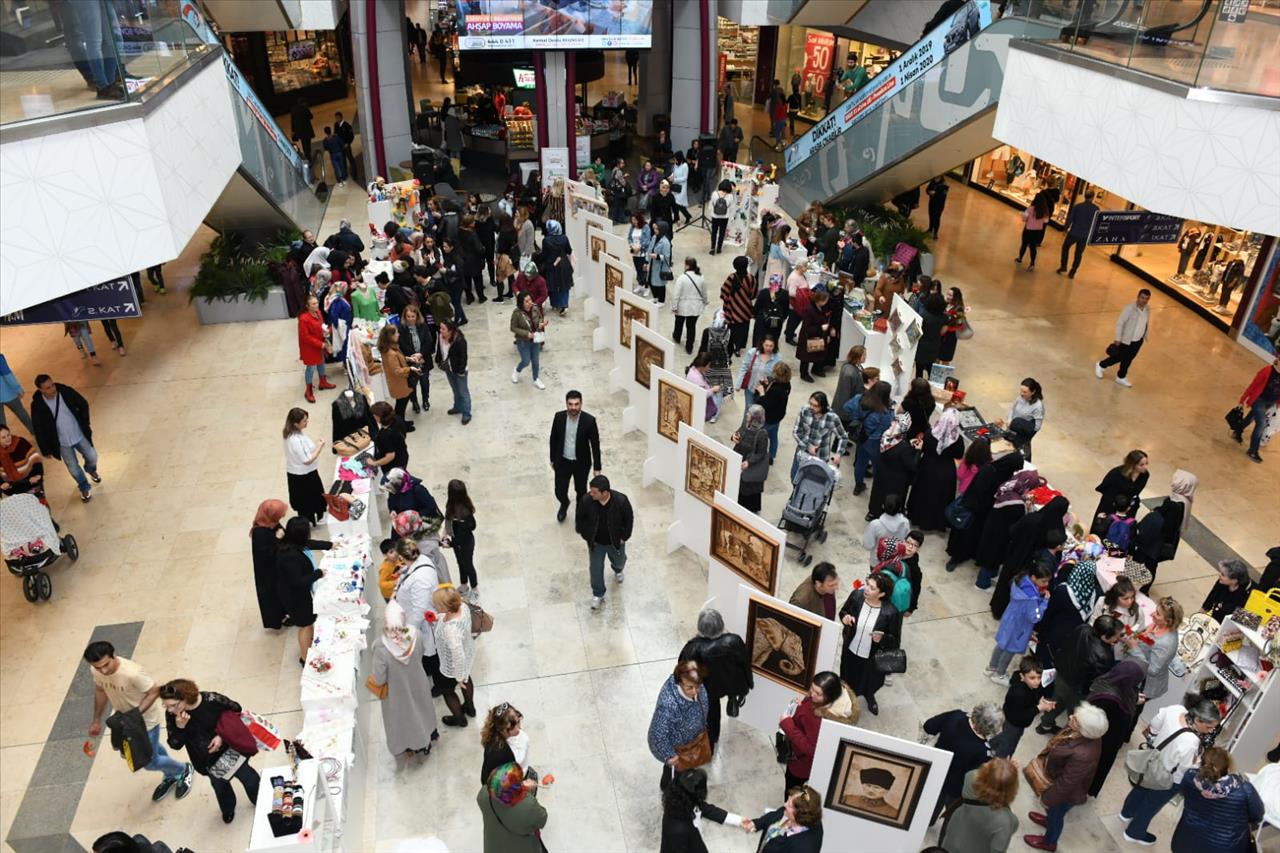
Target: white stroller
pixel 31 544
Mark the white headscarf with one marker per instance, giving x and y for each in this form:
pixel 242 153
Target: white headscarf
pixel 947 429
pixel 319 257
pixel 1183 490
pixel 398 636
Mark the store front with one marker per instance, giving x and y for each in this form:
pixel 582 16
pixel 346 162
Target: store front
pixel 809 60
pixel 284 66
pixel 1212 269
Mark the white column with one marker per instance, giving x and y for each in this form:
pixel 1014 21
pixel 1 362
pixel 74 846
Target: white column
pixel 394 91
pixel 689 41
pixel 558 108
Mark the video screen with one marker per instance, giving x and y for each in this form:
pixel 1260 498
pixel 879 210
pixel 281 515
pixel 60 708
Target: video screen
pixel 554 24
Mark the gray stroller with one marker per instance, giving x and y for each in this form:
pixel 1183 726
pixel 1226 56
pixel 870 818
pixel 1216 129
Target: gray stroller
pixel 806 509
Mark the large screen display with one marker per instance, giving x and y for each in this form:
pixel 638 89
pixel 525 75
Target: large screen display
pixel 554 24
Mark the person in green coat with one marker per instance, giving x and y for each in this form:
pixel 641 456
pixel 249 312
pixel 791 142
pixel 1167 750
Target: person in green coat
pixel 513 817
pixel 984 823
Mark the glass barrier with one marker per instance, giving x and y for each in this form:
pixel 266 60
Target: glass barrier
pixel 1232 45
pixel 58 58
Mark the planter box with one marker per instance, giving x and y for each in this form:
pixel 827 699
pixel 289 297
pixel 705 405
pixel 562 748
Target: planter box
pixel 211 311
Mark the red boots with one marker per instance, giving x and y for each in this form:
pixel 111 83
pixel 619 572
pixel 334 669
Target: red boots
pixel 325 384
pixel 310 395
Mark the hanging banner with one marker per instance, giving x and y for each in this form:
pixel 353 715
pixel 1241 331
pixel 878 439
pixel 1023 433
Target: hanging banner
pixel 967 22
pixel 819 53
pixel 555 163
pixel 1117 227
pixel 112 300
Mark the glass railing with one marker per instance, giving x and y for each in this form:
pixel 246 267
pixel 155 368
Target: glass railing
pixel 1233 45
pixel 58 58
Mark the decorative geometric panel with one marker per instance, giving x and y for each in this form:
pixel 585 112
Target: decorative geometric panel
pixel 1216 163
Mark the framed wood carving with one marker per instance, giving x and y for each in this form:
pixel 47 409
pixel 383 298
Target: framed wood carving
pixel 675 405
pixel 612 281
pixel 705 471
pixel 647 355
pixel 784 646
pixel 876 785
pixel 750 555
pixel 629 312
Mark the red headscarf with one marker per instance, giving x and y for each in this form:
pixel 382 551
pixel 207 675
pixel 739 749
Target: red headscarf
pixel 269 513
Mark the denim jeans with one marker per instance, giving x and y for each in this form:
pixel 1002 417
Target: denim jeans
pixel 1055 817
pixel 91 41
pixel 1258 416
pixel 1000 660
pixel 73 464
pixel 311 370
pixel 1142 805
pixel 83 339
pixel 161 761
pixel 461 394
pixel 339 167
pixel 617 559
pixel 15 405
pixel 771 430
pixel 528 356
pixel 864 463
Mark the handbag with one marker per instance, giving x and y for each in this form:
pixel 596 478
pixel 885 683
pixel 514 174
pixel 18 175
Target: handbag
pixel 1265 604
pixel 379 690
pixel 1236 419
pixel 812 345
pixel 958 515
pixel 481 620
pixel 965 332
pixel 734 705
pixel 782 748
pixel 1136 572
pixel 539 337
pixel 235 734
pixel 889 661
pixel 227 764
pixel 1145 767
pixel 695 753
pixel 1037 770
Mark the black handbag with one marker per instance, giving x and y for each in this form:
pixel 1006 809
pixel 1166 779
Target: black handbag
pixel 958 515
pixel 889 661
pixel 1236 419
pixel 782 747
pixel 734 705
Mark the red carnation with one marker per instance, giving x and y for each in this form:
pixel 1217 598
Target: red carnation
pixel 430 616
pixel 857 584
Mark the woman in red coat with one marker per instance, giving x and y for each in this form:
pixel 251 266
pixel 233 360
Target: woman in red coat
pixel 801 727
pixel 529 279
pixel 312 346
pixel 1263 393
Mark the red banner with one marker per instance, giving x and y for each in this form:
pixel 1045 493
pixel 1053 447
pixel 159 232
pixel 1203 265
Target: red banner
pixel 819 54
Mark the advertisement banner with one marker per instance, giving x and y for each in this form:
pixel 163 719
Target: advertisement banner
pixel 562 25
pixel 555 163
pixel 112 300
pixel 951 34
pixel 819 54
pixel 1117 227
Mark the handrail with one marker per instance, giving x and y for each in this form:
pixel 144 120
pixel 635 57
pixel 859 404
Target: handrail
pixel 771 155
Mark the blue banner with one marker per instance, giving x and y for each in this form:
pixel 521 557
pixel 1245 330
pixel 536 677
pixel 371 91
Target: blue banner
pixel 1118 227
pixel 964 24
pixel 113 300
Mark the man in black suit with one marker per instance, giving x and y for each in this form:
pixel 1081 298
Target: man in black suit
pixel 344 131
pixel 575 450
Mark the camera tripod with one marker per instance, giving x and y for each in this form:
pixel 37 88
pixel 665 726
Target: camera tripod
pixel 701 220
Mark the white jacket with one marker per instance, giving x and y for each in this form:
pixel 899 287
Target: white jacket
pixel 413 593
pixel 690 298
pixel 1134 324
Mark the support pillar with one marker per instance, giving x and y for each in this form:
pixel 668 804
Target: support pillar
pixel 693 70
pixel 383 91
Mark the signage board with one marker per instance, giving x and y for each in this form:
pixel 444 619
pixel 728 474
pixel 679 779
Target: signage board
pixel 112 300
pixel 1116 227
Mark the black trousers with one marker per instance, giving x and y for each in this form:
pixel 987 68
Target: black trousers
pixel 353 166
pixel 690 324
pixel 738 333
pixel 565 470
pixel 1125 354
pixel 475 284
pixel 935 220
pixel 1067 242
pixel 789 328
pixel 1030 240
pixel 713 718
pixel 718 228
pixel 227 797
pixel 791 782
pixel 424 381
pixel 401 405
pixel 113 332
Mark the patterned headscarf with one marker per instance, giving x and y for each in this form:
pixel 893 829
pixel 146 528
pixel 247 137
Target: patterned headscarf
pixel 889 552
pixel 552 227
pixel 506 784
pixel 895 432
pixel 947 429
pixel 1083 585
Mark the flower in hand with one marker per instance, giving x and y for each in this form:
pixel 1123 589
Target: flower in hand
pixel 430 616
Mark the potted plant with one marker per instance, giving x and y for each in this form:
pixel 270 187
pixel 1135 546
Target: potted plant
pixel 233 285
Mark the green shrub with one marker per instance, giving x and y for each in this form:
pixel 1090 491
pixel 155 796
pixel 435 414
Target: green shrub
pixel 228 272
pixel 884 229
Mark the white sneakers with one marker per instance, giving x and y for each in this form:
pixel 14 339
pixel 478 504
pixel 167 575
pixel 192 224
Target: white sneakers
pixel 1097 370
pixel 597 601
pixel 1120 380
pixel 1002 680
pixel 618 576
pixel 515 376
pixel 537 383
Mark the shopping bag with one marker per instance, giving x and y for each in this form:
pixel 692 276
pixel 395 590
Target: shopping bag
pixel 1265 603
pixel 263 731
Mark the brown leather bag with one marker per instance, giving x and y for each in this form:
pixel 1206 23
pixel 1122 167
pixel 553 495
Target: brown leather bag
pixel 1037 770
pixel 695 753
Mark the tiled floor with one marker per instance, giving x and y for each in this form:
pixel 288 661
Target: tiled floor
pixel 188 423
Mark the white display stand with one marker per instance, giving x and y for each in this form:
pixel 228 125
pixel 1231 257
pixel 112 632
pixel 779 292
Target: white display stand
pixel 555 164
pixel 317 809
pixel 878 345
pixel 592 271
pixel 768 699
pixel 692 525
pixel 664 462
pixel 575 228
pixel 640 414
pixel 722 581
pixel 1248 730
pixel 870 834
pixel 623 359
pixel 606 332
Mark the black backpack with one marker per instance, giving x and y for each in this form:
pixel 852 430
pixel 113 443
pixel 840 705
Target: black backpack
pixel 721 207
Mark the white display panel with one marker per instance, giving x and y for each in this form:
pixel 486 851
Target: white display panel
pixel 671 397
pixel 692 525
pixel 645 341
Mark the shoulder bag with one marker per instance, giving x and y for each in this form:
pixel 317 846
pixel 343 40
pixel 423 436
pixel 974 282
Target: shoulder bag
pixel 1236 419
pixel 889 661
pixel 665 273
pixel 1145 767
pixel 958 515
pixel 965 332
pixel 1037 770
pixel 481 620
pixel 782 747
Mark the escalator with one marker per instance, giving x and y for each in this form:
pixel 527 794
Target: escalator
pixel 932 109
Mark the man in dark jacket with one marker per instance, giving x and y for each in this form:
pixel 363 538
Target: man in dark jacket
pixel 574 449
pixel 344 131
pixel 303 132
pixel 604 519
pixel 728 666
pixel 1087 654
pixel 1079 224
pixel 304 248
pixel 346 240
pixel 61 419
pixel 861 259
pixel 817 593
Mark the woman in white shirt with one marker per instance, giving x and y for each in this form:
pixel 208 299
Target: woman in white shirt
pixel 1028 413
pixel 870 623
pixel 688 302
pixel 457 650
pixel 1179 752
pixel 306 489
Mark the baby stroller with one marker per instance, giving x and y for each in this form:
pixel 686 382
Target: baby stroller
pixel 806 510
pixel 31 544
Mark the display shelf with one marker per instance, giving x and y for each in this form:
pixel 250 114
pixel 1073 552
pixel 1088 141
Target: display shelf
pixel 1247 730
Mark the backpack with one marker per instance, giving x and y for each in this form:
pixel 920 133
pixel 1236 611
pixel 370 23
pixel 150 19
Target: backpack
pixel 1120 532
pixel 901 595
pixel 721 207
pixel 129 738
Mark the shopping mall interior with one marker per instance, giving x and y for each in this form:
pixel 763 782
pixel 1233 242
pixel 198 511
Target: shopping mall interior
pixel 156 180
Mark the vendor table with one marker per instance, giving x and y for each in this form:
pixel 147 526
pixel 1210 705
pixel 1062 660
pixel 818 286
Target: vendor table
pixel 366 489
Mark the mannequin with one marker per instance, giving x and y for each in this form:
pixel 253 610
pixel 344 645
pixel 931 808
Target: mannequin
pixel 1186 247
pixel 1202 250
pixel 351 414
pixel 1232 274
